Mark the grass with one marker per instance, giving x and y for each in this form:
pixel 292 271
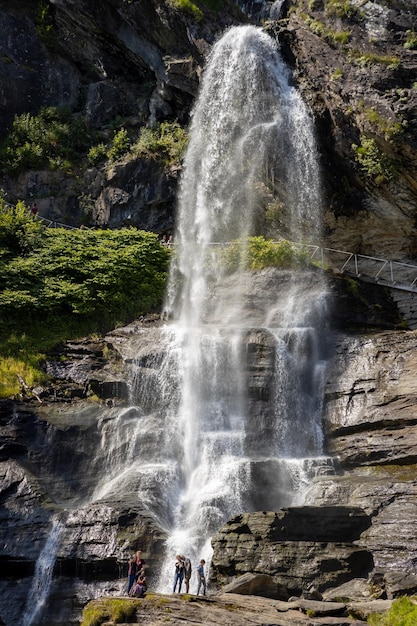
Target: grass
pixel 117 610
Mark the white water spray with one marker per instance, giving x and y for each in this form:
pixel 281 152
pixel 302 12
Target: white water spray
pixel 41 584
pixel 250 130
pixel 198 445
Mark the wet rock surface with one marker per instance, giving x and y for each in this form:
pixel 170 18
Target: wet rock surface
pixel 54 447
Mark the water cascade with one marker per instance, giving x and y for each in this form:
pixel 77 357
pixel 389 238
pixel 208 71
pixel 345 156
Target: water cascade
pixel 41 584
pixel 250 130
pixel 205 436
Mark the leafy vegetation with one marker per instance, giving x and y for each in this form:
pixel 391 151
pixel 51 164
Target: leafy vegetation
pixel 53 138
pixel 374 162
pixel 389 129
pixel 57 284
pixel 340 8
pixel 257 253
pixel 120 145
pixel 59 140
pixel 44 24
pixel 402 613
pixel 332 36
pixel 166 141
pixel 188 7
pixel 411 40
pixel 193 8
pixel 392 62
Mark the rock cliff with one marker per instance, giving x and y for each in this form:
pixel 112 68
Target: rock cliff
pixel 357 522
pixel 135 63
pixel 141 61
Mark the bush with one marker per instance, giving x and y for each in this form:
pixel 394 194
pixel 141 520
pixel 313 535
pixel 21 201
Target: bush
pixel 20 231
pixel 120 145
pixel 51 137
pixel 374 162
pixel 257 253
pixel 97 153
pixel 57 284
pixel 166 141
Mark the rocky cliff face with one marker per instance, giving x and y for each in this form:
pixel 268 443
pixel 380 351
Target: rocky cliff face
pixel 140 62
pixel 355 66
pixel 60 445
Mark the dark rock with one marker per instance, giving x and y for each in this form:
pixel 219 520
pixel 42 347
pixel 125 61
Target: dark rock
pixel 399 584
pixel 256 585
pixel 264 543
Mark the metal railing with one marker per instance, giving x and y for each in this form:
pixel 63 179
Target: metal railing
pixel 48 223
pixel 394 274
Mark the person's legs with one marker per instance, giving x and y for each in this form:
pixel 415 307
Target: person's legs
pixel 130 581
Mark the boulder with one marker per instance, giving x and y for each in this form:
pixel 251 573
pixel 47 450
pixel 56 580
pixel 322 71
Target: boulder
pixel 276 544
pixel 256 585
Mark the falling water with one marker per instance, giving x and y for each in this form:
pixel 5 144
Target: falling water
pixel 42 579
pixel 197 445
pixel 250 130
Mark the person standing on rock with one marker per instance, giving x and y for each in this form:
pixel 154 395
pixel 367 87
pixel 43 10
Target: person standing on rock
pixel 187 573
pixel 131 572
pixel 140 564
pixel 201 577
pixel 179 573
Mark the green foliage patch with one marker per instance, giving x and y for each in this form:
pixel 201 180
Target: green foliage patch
pixel 402 613
pixel 193 9
pixel 54 138
pixel 340 8
pixel 166 141
pixel 257 253
pixel 374 162
pixel 117 610
pixel 58 284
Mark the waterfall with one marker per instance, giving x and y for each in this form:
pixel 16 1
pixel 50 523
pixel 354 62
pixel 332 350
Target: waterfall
pixel 41 584
pixel 250 130
pixel 199 443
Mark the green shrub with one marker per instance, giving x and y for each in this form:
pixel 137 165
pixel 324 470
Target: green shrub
pixel 257 253
pixel 97 153
pixel 51 137
pixel 188 7
pixel 120 145
pixel 374 162
pixel 402 613
pixel 340 8
pixel 389 129
pixel 20 231
pixel 411 40
pixel 57 284
pixel 370 58
pixel 166 141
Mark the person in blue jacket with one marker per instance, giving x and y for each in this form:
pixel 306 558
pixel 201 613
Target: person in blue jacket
pixel 201 577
